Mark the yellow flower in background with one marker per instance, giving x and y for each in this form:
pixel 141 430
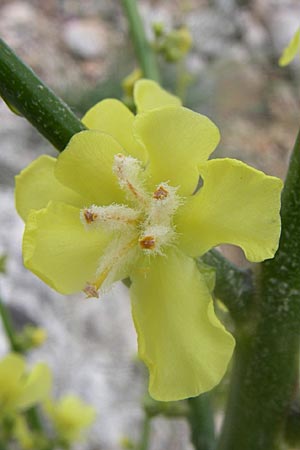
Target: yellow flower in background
pixel 71 417
pixel 290 52
pixel 122 200
pixel 129 81
pixel 23 434
pixel 19 389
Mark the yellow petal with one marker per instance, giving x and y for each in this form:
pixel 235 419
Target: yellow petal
pixel 112 117
pixel 58 249
pixel 177 140
pixel 236 205
pixel 149 95
pixel 12 368
pixel 291 50
pixel 36 387
pixel 180 339
pixel 70 416
pixel 86 167
pixel 37 185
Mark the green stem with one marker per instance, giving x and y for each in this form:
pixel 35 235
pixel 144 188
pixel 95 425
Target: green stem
pixel 264 379
pixel 233 285
pixel 32 414
pixel 22 89
pixel 292 428
pixel 143 50
pixel 201 422
pixel 8 328
pixel 145 439
pixel 33 419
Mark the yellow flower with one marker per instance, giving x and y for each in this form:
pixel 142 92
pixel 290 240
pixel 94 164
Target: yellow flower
pixel 122 200
pixel 71 417
pixel 23 434
pixel 290 52
pixel 20 390
pixel 129 81
pixel 34 336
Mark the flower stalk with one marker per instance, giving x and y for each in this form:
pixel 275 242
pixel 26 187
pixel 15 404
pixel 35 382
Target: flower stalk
pixel 201 422
pixel 234 286
pixel 8 328
pixel 146 429
pixel 143 50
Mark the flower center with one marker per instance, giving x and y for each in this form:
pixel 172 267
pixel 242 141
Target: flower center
pixel 146 226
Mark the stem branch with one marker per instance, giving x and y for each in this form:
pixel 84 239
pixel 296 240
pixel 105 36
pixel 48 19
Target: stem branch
pixel 8 328
pixel 143 50
pixel 233 285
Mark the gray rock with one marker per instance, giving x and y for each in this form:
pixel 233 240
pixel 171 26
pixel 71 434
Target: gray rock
pixel 211 31
pixel 85 38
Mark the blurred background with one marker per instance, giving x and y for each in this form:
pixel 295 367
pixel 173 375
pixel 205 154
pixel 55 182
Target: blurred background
pixel 82 50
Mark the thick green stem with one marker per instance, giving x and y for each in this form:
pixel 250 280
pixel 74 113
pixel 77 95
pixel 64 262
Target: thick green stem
pixel 201 422
pixel 234 286
pixel 22 89
pixel 143 50
pixel 264 380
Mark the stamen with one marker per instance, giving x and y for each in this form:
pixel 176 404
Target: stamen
pixel 111 260
pixel 155 237
pixel 164 203
pixel 91 291
pixel 160 193
pixel 89 216
pixel 113 217
pixel 147 242
pixel 130 175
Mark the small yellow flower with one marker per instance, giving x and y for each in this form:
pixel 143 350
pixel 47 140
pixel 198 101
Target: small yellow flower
pixel 70 417
pixel 20 390
pixel 122 200
pixel 23 434
pixel 129 81
pixel 35 336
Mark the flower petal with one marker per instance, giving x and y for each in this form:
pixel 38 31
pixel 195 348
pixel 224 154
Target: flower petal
pixel 86 167
pixel 12 367
pixel 36 387
pixel 37 185
pixel 112 117
pixel 149 95
pixel 291 50
pixel 70 416
pixel 237 205
pixel 58 249
pixel 177 140
pixel 180 339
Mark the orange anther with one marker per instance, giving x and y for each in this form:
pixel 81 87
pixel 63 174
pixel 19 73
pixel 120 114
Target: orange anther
pixel 160 193
pixel 147 242
pixel 89 216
